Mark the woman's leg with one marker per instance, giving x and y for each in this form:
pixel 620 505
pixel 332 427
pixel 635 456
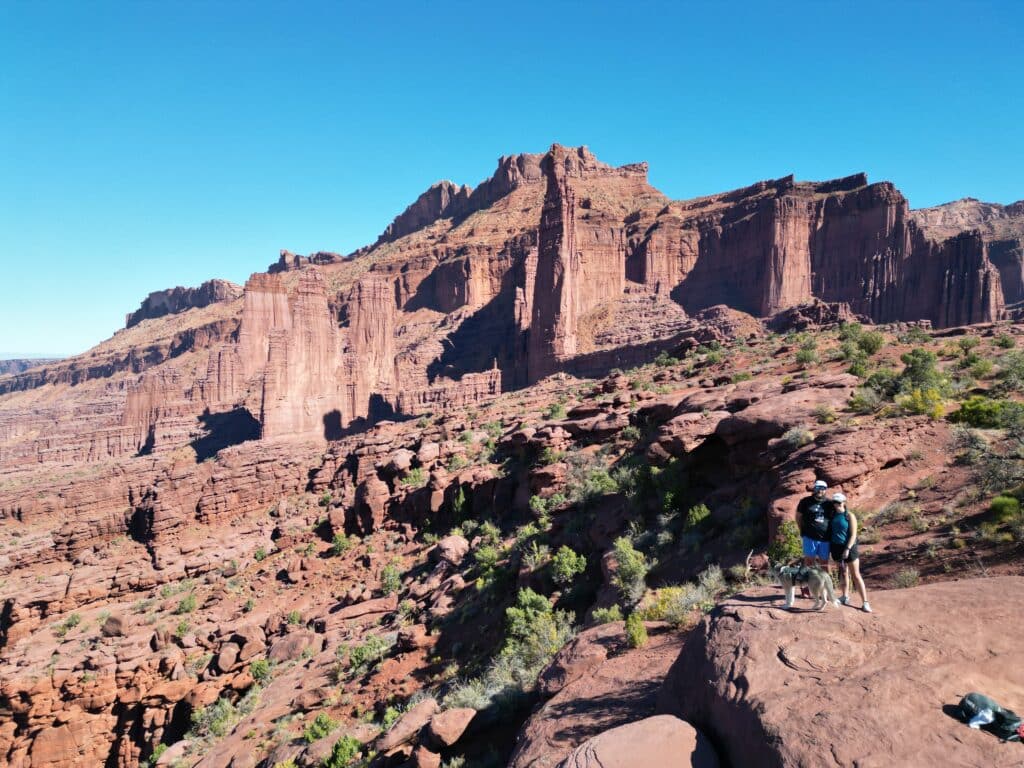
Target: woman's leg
pixel 844 568
pixel 855 565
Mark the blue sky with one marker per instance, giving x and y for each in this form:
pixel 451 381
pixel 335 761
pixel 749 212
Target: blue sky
pixel 150 144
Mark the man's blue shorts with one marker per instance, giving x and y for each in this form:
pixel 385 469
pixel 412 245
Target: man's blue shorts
pixel 815 548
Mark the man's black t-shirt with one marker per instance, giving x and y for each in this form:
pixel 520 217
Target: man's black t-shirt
pixel 815 516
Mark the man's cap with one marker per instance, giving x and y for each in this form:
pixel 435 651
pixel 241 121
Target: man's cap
pixel 820 485
pixel 838 497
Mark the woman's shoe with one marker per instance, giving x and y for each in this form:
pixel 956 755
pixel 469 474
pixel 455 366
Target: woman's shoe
pixel 844 600
pixel 866 607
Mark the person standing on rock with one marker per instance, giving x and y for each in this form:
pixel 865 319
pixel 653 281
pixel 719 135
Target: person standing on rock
pixel 843 546
pixel 813 515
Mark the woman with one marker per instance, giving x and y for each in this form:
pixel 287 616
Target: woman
pixel 843 546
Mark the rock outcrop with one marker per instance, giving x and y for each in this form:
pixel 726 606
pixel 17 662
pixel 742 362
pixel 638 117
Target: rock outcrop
pixel 841 687
pixel 175 300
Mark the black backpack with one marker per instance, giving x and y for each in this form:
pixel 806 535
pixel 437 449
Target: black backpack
pixel 1006 725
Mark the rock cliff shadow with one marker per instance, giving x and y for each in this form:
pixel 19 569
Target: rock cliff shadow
pixel 585 718
pixel 224 429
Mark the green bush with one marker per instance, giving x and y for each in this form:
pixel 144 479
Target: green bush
pixel 607 615
pixel 865 401
pixel 920 371
pixel 909 577
pixel 341 544
pixel 550 456
pixel 535 632
pixel 697 515
pixel 216 720
pixel 850 331
pixel 871 342
pixel 345 751
pixel 1011 371
pixel 631 572
pixel 294 618
pixel 1005 341
pixel 983 412
pixel 922 402
pixel 806 356
pixel 1005 508
pixel 187 604
pixel 391 579
pixel 636 632
pixel 369 654
pixel 787 545
pixel 554 411
pixel 967 343
pixel 68 624
pixel 566 565
pixel 260 669
pixel 824 414
pixel 415 478
pixel 260 555
pixel 322 725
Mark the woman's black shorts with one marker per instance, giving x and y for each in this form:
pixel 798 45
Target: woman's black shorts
pixel 837 553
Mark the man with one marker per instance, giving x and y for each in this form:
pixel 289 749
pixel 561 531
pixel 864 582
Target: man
pixel 813 515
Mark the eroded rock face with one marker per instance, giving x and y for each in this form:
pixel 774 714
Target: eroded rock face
pixel 778 688
pixel 174 300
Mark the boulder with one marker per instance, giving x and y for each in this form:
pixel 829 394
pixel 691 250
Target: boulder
pixel 451 549
pixel 408 725
pixel 114 626
pixel 447 727
pixel 662 740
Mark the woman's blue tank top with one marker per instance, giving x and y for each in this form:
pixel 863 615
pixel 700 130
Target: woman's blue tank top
pixel 840 528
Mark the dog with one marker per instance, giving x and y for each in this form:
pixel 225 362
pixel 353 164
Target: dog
pixel 817 581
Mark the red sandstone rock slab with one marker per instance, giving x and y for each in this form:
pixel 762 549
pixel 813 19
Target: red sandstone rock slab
pixel 844 687
pixel 662 740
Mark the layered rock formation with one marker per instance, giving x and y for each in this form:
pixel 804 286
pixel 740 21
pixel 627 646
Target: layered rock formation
pixel 175 300
pixel 23 364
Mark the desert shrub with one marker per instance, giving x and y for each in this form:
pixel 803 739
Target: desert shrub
pixel 631 571
pixel 850 331
pixel 187 604
pixel 807 356
pixel 260 554
pixel 607 615
pixel 554 411
pixel 415 478
pixel 322 725
pixel 920 372
pixel 908 577
pixel 219 718
pixel 68 624
pixel 536 555
pixel 1005 341
pixel 630 433
pixel 550 456
pixel 345 751
pixel 787 545
pixel 922 402
pixel 987 413
pixel 697 515
pixel 870 342
pixel 824 414
pixel 665 360
pixel 261 669
pixel 391 579
pixel 456 462
pixel 636 632
pixel 366 656
pixel 341 544
pixel 742 376
pixel 865 400
pixel 981 368
pixel 712 357
pixel 534 633
pixel 1011 371
pixel 1004 508
pixel 967 343
pixel 294 618
pixel 915 335
pixel 797 437
pixel 566 565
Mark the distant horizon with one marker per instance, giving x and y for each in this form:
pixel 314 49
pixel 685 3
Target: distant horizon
pixel 148 146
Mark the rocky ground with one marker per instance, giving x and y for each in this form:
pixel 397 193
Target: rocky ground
pixel 393 597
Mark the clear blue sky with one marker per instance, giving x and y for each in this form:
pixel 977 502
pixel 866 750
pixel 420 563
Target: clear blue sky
pixel 150 144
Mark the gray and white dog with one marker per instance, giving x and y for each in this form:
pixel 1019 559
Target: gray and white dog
pixel 817 581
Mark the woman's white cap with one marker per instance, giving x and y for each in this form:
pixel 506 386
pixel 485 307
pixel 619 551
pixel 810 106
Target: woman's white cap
pixel 838 497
